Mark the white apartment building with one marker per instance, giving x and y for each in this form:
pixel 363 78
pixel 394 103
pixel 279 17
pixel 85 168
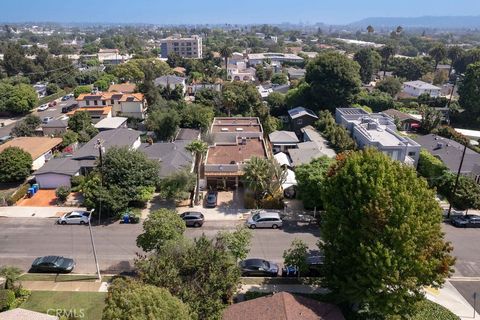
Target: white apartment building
pixel 190 47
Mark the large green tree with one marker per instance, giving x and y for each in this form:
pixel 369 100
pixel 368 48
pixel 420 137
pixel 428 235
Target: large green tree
pixel 240 98
pixel 410 69
pixel 26 127
pixel 15 164
pixel 466 195
pixel 390 85
pixel 386 52
pixel 161 226
pixel 128 299
pixel 438 53
pixel 164 123
pixel 17 99
pixel 203 274
pixel 382 236
pixel 469 90
pixel 369 61
pixel 310 181
pixel 334 80
pixel 131 171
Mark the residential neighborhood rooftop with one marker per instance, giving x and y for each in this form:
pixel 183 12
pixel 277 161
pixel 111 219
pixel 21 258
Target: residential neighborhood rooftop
pixel 36 146
pixel 421 85
pixel 234 154
pixel 283 306
pixel 300 111
pixel 56 123
pixel 109 138
pixel 172 156
pixel 236 124
pixel 122 87
pixel 450 152
pixel 283 136
pixel 187 134
pixel 110 123
pixel 169 80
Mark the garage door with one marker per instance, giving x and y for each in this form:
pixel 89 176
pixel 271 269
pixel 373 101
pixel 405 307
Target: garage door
pixel 52 181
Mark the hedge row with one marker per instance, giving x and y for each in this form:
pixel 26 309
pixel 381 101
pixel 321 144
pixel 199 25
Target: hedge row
pixel 52 97
pixel 19 194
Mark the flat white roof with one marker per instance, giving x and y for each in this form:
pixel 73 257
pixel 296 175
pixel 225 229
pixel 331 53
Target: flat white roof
pixel 469 133
pixel 110 123
pixel 421 85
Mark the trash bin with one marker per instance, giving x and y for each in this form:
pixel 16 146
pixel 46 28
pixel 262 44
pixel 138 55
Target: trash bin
pixel 30 192
pixel 126 218
pixel 36 187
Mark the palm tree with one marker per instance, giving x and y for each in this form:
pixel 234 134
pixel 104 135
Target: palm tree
pixel 370 29
pixel 226 53
pixel 11 275
pixel 399 29
pixel 386 52
pixel 454 53
pixel 263 176
pixel 438 53
pixel 199 148
pixel 229 101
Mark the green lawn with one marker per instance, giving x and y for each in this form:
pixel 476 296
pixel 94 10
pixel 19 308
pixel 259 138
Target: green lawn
pixel 88 304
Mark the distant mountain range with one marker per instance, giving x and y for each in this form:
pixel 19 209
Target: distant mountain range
pixel 445 22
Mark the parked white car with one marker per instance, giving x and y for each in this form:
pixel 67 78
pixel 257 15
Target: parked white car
pixel 46 120
pixel 43 107
pixel 74 217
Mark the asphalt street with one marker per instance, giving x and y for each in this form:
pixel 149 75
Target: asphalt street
pixel 54 112
pixel 24 239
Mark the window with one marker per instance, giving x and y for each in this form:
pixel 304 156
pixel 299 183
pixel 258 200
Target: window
pixel 412 154
pixel 300 121
pixel 112 102
pixel 104 102
pixel 95 102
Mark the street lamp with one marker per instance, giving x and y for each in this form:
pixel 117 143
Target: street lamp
pixel 93 246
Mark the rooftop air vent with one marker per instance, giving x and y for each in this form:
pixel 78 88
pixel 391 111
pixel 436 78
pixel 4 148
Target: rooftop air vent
pixel 239 129
pixel 224 129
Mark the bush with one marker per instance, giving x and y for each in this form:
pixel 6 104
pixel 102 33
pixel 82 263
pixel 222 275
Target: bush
pixel 62 193
pixel 7 299
pixel 77 181
pixel 19 194
pixel 430 167
pixel 15 164
pixel 52 97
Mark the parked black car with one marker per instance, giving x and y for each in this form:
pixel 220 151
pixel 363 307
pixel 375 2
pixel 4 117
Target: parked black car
pixel 192 218
pixel 466 221
pixel 315 265
pixel 258 268
pixel 53 264
pixel 211 200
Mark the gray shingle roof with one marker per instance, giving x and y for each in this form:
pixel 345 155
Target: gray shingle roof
pixel 172 156
pixel 283 136
pixel 300 112
pixel 65 166
pixel 187 134
pixel 402 116
pixel 117 137
pixel 450 152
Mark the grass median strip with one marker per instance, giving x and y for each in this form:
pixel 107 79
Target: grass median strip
pixel 63 277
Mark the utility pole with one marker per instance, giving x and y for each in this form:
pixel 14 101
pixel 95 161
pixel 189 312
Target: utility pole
pixel 456 180
pixel 99 145
pixel 93 246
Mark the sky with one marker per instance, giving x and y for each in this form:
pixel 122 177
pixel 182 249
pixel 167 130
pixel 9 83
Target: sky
pixel 226 11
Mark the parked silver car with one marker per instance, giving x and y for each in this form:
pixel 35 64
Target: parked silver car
pixel 74 217
pixel 265 219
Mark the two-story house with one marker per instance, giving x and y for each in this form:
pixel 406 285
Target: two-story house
pixel 121 104
pixel 378 130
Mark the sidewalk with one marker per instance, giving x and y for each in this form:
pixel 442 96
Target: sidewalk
pixel 81 286
pixel 450 298
pixel 39 212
